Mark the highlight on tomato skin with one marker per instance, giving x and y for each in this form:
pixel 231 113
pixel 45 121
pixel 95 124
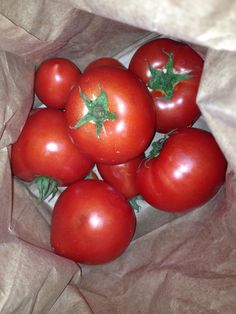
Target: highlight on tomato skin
pixel 92 223
pixel 172 71
pixel 189 170
pixel 54 80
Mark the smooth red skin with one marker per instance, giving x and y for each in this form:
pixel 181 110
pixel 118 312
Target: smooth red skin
pixel 182 110
pixel 44 148
pixel 187 173
pixel 92 223
pixel 122 176
pixel 131 133
pixel 104 61
pixel 54 80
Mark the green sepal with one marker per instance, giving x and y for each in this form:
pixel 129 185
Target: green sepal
pixel 156 147
pixel 166 79
pixel 46 187
pixel 90 175
pixel 98 111
pixel 134 204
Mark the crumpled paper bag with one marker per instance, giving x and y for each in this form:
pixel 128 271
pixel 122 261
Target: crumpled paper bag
pixel 179 264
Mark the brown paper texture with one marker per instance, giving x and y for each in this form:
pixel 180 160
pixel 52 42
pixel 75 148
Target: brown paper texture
pixel 176 263
pixel 217 99
pixel 208 23
pixel 186 266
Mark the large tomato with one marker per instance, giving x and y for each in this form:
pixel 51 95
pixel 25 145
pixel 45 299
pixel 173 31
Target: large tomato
pixel 111 115
pixel 44 149
pixel 122 176
pixel 91 223
pixel 54 79
pixel 172 71
pixel 187 173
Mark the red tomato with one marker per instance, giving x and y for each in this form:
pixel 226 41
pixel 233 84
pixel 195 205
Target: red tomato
pixel 122 176
pixel 92 223
pixel 54 80
pixel 104 61
pixel 44 148
pixel 111 115
pixel 172 70
pixel 187 173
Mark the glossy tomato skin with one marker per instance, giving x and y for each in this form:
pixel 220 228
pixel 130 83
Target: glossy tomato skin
pixel 104 61
pixel 181 110
pixel 92 223
pixel 54 79
pixel 122 176
pixel 44 148
pixel 187 173
pixel 130 133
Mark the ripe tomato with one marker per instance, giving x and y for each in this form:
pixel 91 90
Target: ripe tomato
pixel 104 61
pixel 187 173
pixel 172 70
pixel 122 176
pixel 44 148
pixel 111 115
pixel 54 80
pixel 92 223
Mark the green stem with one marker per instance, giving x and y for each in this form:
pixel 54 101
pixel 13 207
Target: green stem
pixel 166 79
pixel 156 147
pixel 46 187
pixel 98 111
pixel 134 204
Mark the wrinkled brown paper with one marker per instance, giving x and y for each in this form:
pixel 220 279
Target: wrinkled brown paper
pixel 176 263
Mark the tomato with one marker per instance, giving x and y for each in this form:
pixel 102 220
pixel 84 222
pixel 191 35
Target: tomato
pixel 91 223
pixel 54 80
pixel 172 71
pixel 111 115
pixel 122 176
pixel 104 61
pixel 44 148
pixel 187 173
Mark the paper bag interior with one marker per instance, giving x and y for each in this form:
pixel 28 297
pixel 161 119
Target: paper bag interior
pixel 176 263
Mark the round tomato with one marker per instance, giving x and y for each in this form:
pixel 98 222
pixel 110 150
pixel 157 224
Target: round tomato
pixel 91 223
pixel 111 115
pixel 54 80
pixel 172 71
pixel 187 173
pixel 122 176
pixel 44 149
pixel 104 61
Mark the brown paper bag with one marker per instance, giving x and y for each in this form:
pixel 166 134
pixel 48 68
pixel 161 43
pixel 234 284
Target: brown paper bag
pixel 176 263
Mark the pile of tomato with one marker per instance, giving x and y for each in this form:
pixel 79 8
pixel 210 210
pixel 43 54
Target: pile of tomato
pixel 106 118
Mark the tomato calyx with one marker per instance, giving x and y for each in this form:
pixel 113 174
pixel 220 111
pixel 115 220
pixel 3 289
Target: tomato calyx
pixel 46 187
pixel 98 111
pixel 134 204
pixel 166 79
pixel 156 147
pixel 91 176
